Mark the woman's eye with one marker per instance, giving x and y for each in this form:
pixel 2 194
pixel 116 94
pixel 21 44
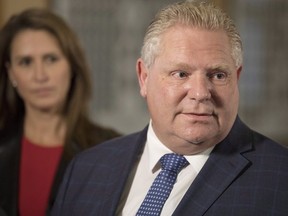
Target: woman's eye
pixel 25 62
pixel 51 58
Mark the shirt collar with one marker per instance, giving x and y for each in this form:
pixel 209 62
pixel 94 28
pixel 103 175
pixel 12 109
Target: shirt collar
pixel 156 149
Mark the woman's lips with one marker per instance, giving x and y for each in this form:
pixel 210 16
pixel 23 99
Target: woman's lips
pixel 43 91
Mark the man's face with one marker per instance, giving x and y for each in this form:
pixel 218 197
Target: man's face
pixel 191 89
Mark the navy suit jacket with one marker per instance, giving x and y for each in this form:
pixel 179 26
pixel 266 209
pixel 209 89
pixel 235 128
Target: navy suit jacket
pixel 246 174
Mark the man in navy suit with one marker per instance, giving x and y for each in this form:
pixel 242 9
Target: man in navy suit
pixel 188 73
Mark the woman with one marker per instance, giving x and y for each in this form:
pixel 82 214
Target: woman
pixel 44 94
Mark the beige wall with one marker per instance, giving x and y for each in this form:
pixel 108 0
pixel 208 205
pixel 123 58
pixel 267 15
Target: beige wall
pixel 9 7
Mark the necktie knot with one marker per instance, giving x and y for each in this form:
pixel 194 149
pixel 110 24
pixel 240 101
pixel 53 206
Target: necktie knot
pixel 173 162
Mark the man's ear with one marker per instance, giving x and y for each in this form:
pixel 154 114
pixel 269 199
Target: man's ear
pixel 239 70
pixel 142 74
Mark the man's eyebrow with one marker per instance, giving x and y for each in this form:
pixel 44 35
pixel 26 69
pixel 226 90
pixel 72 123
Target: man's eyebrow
pixel 182 66
pixel 187 67
pixel 223 67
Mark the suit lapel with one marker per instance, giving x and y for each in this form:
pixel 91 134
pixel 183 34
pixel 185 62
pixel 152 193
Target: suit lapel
pixel 126 162
pixel 221 169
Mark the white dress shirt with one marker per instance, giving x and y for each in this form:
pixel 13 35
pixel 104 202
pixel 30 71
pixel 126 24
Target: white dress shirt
pixel 147 170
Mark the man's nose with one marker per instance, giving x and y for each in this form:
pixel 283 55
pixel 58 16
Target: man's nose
pixel 199 88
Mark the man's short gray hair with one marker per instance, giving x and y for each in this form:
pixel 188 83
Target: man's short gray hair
pixel 190 13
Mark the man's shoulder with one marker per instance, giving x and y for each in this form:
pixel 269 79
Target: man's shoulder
pixel 266 144
pixel 251 141
pixel 267 155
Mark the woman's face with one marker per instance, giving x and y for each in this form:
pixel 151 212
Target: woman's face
pixel 39 70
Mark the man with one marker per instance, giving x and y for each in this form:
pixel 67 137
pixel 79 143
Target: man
pixel 188 73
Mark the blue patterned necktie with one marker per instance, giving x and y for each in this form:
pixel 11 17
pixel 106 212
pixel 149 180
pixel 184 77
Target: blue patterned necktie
pixel 158 193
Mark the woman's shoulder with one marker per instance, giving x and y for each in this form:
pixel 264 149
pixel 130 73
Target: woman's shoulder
pixel 8 133
pixel 9 141
pixel 94 133
pixel 103 133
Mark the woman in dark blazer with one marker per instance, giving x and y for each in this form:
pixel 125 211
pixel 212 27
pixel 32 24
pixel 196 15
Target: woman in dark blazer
pixel 44 94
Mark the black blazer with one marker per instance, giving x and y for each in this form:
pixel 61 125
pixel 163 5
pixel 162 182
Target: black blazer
pixel 10 149
pixel 246 174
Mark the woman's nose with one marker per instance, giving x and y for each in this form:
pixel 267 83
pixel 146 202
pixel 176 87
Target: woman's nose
pixel 40 73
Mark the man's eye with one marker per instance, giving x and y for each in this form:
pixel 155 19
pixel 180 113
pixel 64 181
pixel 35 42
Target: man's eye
pixel 180 74
pixel 218 77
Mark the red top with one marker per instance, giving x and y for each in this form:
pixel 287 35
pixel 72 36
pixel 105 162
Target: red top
pixel 38 165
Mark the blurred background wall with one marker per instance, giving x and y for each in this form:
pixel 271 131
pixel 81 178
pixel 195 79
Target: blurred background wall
pixel 9 7
pixel 111 32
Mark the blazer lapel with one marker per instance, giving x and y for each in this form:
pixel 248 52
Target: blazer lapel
pixel 221 169
pixel 126 162
pixel 10 150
